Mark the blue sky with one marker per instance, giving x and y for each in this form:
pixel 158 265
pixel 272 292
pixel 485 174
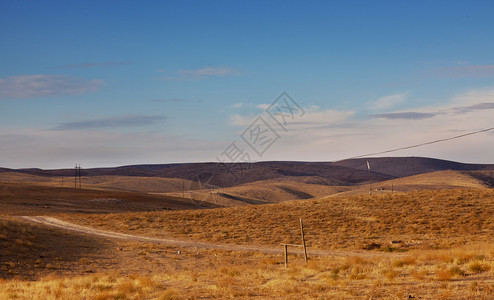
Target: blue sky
pixel 106 83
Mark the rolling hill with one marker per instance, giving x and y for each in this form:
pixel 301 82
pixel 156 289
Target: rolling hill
pixel 266 182
pixel 32 199
pixel 346 172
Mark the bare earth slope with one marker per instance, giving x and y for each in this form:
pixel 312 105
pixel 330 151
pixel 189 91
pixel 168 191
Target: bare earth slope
pixel 25 199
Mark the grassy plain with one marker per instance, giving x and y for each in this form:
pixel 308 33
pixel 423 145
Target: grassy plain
pixel 148 271
pixel 426 244
pixel 418 220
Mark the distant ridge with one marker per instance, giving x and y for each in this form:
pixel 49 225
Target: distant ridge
pixel 346 172
pixel 408 166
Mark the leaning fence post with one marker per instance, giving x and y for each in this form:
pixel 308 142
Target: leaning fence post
pixel 303 239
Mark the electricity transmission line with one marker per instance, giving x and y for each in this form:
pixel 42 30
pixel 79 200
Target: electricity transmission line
pixel 424 144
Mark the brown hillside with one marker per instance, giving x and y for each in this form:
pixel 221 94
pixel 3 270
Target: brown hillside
pixel 421 219
pixel 30 199
pixel 408 166
pixel 439 180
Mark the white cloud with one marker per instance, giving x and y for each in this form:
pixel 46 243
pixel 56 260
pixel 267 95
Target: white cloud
pixel 237 105
pixel 473 97
pixel 262 106
pixel 240 120
pixel 319 135
pixel 326 135
pixel 314 117
pixel 388 101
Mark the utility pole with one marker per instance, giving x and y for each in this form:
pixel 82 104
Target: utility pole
pixel 370 178
pixel 80 180
pixel 62 177
pixel 75 177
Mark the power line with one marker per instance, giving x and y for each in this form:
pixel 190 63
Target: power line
pixel 424 144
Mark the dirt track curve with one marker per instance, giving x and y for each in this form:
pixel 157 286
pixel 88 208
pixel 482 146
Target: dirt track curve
pixel 54 222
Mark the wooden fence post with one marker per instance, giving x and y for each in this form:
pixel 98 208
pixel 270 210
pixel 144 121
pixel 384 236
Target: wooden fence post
pixel 286 255
pixel 303 239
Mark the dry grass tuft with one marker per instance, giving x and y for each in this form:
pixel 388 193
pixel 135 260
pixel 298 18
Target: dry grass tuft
pixel 444 275
pixel 478 267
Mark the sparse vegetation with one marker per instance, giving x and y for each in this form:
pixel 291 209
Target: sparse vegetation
pixel 427 244
pixel 225 274
pixel 390 222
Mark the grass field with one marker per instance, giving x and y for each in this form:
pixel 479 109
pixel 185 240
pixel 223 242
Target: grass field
pixel 148 271
pixel 426 244
pixel 261 191
pixel 418 220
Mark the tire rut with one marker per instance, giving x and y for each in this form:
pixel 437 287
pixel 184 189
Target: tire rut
pixel 57 223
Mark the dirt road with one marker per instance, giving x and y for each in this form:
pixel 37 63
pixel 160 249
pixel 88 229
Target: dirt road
pixel 54 222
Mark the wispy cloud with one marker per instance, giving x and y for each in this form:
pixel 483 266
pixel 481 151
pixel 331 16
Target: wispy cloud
pixel 324 135
pixel 237 105
pixel 31 147
pixel 95 64
pixel 30 86
pixel 314 117
pixel 443 62
pixel 199 73
pixel 210 71
pixel 113 122
pixel 172 100
pixel 480 106
pixel 388 101
pixel 405 115
pixel 262 106
pixel 464 71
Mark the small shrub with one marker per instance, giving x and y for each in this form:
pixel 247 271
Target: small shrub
pixel 478 267
pixel 391 274
pixel 418 275
pixel 371 246
pixel 127 287
pixel 457 271
pixel 170 295
pixel 444 275
pixel 404 262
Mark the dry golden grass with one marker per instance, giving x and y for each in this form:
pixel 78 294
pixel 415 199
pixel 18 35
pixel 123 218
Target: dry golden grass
pixel 266 191
pixel 415 220
pixel 439 180
pixel 263 191
pixel 225 274
pixel 29 251
pixel 109 182
pixel 447 236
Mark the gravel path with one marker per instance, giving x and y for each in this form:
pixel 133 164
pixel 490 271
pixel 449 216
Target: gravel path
pixel 54 222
